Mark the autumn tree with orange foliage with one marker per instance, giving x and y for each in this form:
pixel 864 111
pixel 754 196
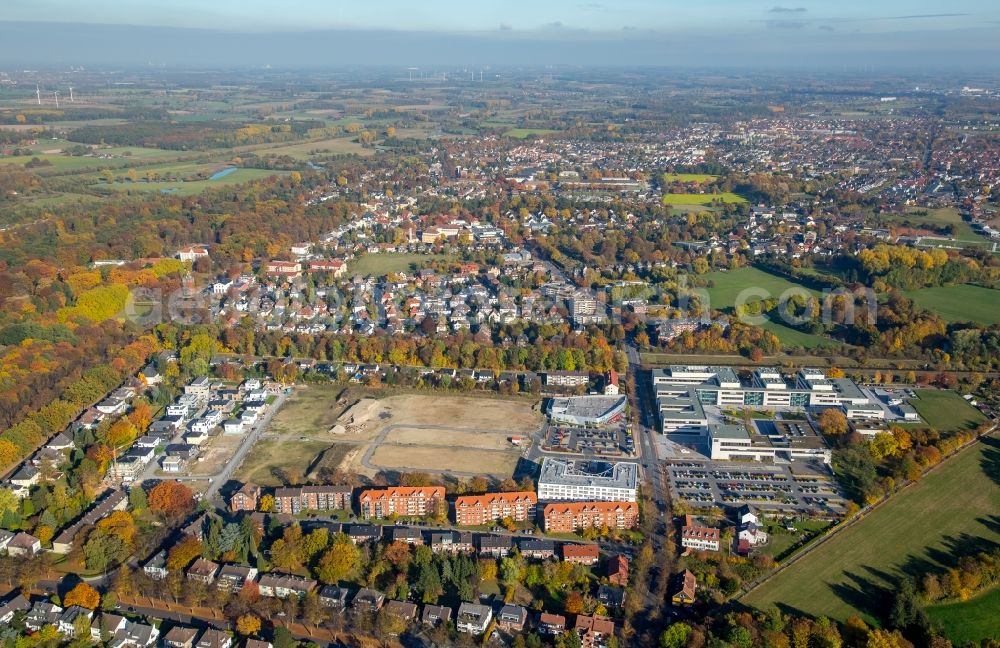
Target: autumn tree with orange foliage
pixel 182 553
pixel 83 595
pixel 121 524
pixel 170 499
pixel 248 625
pixel 121 433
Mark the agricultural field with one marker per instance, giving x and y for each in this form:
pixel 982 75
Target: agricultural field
pixel 701 199
pixel 729 283
pixel 320 148
pixel 946 411
pixel 382 264
pixel 947 513
pixel 523 133
pixel 960 303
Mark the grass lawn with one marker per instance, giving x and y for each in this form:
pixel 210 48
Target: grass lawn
pixel 946 411
pixel 923 528
pixel 383 264
pixel 701 199
pixel 794 338
pixel 522 133
pixel 960 303
pixel 729 283
pixel 307 150
pixel 688 177
pixel 969 621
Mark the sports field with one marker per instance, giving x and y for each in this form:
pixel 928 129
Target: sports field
pixel 688 177
pixel 729 283
pixel 962 303
pixel 946 411
pixel 382 264
pixel 701 199
pixel 949 512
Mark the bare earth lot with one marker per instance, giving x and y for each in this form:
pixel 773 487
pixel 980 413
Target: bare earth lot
pixel 458 460
pixel 447 438
pixel 404 432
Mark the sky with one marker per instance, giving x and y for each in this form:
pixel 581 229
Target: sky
pixel 917 32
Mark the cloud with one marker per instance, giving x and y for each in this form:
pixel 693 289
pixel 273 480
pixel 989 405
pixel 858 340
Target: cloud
pixel 826 28
pixel 558 24
pixel 780 9
pixel 505 27
pixel 785 24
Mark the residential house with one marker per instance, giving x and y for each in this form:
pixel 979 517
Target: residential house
pixel 749 530
pixel 699 537
pixel 537 549
pixel 180 637
pixel 234 577
pixel 24 544
pixel 409 535
pixel 312 498
pixel 285 585
pixel 12 606
pixel 67 622
pixel 451 542
pixel 213 638
pixel 496 546
pixel 512 618
pixel 402 609
pixel 332 596
pixel 584 554
pixel 362 533
pixel 610 596
pixel 551 624
pixel 435 614
pixel 203 571
pixel 116 500
pixel 245 499
pixel 368 600
pixel 473 618
pixel 617 570
pixel 685 589
pixel 611 387
pixel 594 631
pixel 41 614
pixel 156 568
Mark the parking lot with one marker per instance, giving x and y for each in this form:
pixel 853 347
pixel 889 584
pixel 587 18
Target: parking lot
pixel 611 441
pixel 790 488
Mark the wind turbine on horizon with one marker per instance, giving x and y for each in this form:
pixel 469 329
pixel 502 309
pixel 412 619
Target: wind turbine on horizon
pixel 38 94
pixel 56 95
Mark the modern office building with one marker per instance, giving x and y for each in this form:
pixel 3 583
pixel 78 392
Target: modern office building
pixel 562 479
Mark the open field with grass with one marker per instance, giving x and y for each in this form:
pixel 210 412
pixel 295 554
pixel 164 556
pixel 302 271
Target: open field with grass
pixel 946 411
pixel 962 303
pixel 950 512
pixel 794 337
pixel 272 462
pixel 508 416
pixel 728 284
pixel 383 264
pixel 969 621
pixel 193 187
pixel 934 218
pixel 701 199
pixel 310 411
pixel 522 133
pixel 688 177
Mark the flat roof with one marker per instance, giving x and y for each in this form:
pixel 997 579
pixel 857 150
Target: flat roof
pixel 622 474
